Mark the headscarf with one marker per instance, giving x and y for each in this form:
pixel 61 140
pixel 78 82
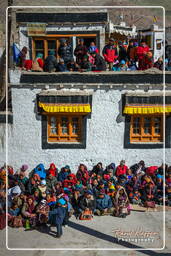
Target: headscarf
pixel 35 178
pixel 39 55
pixel 117 195
pixel 32 206
pixel 40 170
pixel 53 170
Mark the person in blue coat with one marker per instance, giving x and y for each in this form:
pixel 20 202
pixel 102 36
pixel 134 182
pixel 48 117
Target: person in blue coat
pixel 40 170
pixel 65 171
pixel 103 204
pixel 59 215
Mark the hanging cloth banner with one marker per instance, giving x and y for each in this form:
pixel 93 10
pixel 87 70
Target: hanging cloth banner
pixel 36 29
pixel 65 108
pixel 132 110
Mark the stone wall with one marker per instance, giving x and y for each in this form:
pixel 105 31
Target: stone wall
pixel 105 135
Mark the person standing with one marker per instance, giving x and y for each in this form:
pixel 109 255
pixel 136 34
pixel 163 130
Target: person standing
pixel 80 51
pixel 65 51
pixel 142 51
pixel 110 53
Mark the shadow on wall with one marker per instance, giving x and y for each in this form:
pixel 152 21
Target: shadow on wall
pixel 120 118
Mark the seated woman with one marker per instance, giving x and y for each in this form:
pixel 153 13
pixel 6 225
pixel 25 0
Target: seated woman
pixel 38 63
pixel 22 62
pixel 65 171
pixel 82 174
pixel 42 211
pixel 29 211
pixel 121 203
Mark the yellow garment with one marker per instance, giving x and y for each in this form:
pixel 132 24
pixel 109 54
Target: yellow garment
pixel 132 110
pixel 112 187
pixel 65 108
pixel 3 176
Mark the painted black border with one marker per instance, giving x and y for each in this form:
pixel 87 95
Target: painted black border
pixel 47 145
pixel 129 145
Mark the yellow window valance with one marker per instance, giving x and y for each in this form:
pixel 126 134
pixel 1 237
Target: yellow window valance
pixel 65 108
pixel 155 109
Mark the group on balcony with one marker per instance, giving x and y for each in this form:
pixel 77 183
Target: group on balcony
pixel 117 56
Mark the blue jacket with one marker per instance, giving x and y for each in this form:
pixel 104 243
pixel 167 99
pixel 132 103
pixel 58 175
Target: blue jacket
pixel 102 203
pixel 63 175
pixel 40 170
pixel 59 214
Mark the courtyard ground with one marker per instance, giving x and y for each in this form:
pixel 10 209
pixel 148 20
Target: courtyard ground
pixel 92 234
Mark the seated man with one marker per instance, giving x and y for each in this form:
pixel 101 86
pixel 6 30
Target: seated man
pixel 103 204
pixel 86 202
pixel 50 62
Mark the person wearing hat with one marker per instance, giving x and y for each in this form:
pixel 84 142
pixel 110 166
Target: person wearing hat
pixel 65 51
pixel 72 65
pixel 42 211
pixel 58 214
pixel 42 187
pixel 61 66
pixel 103 204
pixel 110 53
pixel 80 51
pixel 50 62
pixel 85 65
pixel 123 66
pixel 87 202
pixel 122 52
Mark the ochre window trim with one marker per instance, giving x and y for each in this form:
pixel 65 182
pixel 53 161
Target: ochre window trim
pixel 68 137
pixel 57 38
pixel 146 137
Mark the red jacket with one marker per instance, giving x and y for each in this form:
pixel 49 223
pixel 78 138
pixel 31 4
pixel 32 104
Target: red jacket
pixel 121 170
pixel 141 50
pixel 110 53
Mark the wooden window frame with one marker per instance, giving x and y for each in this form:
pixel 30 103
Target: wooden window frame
pixel 56 37
pixel 143 137
pixel 69 137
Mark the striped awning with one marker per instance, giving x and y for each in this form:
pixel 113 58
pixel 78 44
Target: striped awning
pixel 65 108
pixel 146 109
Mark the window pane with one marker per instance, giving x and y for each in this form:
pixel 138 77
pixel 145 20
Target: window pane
pixel 64 125
pixel 75 125
pixel 157 125
pixel 39 44
pixel 147 125
pixel 136 125
pixel 53 128
pixel 52 44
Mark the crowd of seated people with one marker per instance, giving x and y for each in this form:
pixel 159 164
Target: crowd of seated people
pixel 116 56
pixel 51 196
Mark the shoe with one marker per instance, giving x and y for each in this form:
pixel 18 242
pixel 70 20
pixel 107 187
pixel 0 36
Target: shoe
pixel 57 236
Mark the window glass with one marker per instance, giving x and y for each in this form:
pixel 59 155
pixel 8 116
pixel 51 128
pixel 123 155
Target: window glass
pixel 64 125
pixel 157 125
pixel 136 125
pixel 75 125
pixel 53 128
pixel 147 125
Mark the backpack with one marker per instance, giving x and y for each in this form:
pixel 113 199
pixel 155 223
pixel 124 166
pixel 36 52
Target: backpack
pixel 86 215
